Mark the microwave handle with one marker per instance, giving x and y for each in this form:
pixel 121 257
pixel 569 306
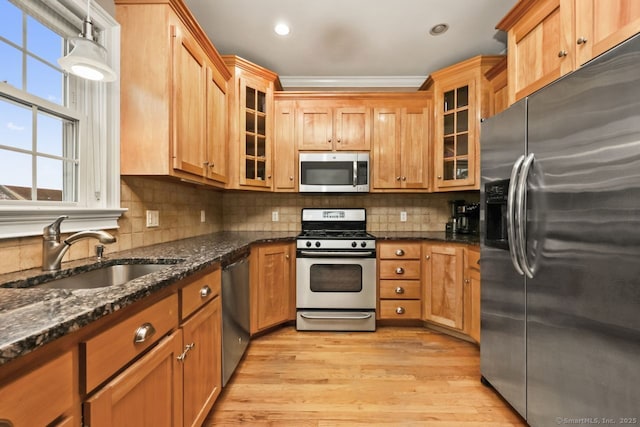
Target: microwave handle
pixel 355 173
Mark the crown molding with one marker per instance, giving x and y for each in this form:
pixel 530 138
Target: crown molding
pixel 351 81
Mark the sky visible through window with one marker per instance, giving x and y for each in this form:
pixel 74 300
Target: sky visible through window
pixel 28 61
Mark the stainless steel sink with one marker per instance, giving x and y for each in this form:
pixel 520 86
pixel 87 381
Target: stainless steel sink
pixel 102 277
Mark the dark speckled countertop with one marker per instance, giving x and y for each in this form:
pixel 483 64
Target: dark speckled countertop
pixel 31 317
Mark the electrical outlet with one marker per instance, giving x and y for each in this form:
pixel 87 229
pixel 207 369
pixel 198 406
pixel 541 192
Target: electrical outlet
pixel 202 215
pixel 403 216
pixel 153 218
pixel 274 216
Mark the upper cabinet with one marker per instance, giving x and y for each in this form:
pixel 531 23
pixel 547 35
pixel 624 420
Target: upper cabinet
pixel 461 99
pixel 326 125
pixel 173 95
pixel 250 124
pixel 401 142
pixel 284 142
pixel 499 92
pixel 549 38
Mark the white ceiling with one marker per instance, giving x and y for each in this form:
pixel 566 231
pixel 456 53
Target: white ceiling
pixel 353 43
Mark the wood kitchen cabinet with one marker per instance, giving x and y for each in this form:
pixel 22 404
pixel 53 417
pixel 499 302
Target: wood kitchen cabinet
pixel 472 293
pixel 549 38
pixel 272 298
pixel 250 124
pixel 461 99
pixel 285 153
pixel 401 146
pixel 43 396
pixel 333 125
pixel 499 93
pixel 173 95
pixel 443 272
pixel 399 280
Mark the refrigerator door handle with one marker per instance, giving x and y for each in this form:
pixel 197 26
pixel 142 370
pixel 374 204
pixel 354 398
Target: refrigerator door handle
pixel 511 217
pixel 520 215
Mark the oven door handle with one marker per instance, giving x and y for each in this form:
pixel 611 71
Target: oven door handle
pixel 343 253
pixel 327 317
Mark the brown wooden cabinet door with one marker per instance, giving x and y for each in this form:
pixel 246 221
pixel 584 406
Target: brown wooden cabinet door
pixel 189 104
pixel 272 292
pixel 202 363
pixel 147 394
pixel 285 160
pixel 600 25
pixel 386 147
pixel 414 149
pixel 217 131
pixel 352 129
pixel 541 47
pixel 443 272
pixel 315 128
pixel 255 133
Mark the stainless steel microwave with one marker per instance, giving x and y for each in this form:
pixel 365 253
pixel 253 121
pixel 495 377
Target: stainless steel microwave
pixel 334 172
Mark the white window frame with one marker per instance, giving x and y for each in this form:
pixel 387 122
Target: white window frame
pixel 98 204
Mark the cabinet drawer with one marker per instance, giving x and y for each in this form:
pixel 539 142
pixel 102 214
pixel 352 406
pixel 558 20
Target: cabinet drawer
pixel 399 250
pixel 200 291
pixel 400 309
pixel 399 269
pixel 41 396
pixel 473 257
pixel 400 289
pixel 107 352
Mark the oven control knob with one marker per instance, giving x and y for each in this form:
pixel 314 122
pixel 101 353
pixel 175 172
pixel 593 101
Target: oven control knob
pixel 308 244
pixel 354 244
pixel 317 244
pixel 363 244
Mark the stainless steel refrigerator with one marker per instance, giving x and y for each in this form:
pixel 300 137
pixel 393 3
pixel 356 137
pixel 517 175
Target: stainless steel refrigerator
pixel 560 247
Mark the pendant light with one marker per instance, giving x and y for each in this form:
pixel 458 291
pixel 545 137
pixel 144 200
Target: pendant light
pixel 87 59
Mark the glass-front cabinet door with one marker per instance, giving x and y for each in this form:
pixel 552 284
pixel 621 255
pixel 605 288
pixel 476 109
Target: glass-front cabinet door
pixel 254 139
pixel 455 149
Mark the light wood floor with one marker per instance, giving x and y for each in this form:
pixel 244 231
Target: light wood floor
pixel 395 376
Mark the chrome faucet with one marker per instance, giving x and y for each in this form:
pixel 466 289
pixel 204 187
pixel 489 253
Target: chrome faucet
pixel 53 250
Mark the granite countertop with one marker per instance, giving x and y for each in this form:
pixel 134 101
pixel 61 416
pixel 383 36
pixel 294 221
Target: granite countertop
pixel 31 317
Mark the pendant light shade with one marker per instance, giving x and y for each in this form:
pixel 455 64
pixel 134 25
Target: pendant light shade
pixel 87 59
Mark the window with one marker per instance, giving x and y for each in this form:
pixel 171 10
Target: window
pixel 59 151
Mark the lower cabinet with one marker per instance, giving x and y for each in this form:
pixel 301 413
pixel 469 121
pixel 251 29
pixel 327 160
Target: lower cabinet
pixel 399 280
pixel 472 293
pixel 148 393
pixel 272 276
pixel 44 396
pixel 177 381
pixel 443 269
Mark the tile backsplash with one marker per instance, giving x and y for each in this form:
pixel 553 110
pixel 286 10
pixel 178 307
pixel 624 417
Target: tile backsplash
pixel 180 207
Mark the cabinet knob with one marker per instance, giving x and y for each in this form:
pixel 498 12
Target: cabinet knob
pixel 339 141
pixel 205 164
pixel 211 165
pixel 466 281
pixel 146 330
pixel 399 252
pixel 286 256
pixel 582 40
pixel 399 290
pixel 562 54
pixel 329 140
pixel 404 178
pixel 427 257
pixel 205 291
pixel 397 178
pixel 290 177
pixel 400 310
pixel 399 270
pixel 268 176
pixel 439 177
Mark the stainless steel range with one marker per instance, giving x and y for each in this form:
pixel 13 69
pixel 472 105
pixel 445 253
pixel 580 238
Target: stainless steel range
pixel 336 271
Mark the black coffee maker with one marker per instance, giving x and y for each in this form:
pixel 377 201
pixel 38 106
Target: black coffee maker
pixel 465 217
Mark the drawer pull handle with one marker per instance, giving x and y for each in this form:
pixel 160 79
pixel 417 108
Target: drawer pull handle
pixel 399 270
pixel 399 290
pixel 399 252
pixel 400 310
pixel 187 349
pixel 143 332
pixel 582 40
pixel 205 291
pixel 562 54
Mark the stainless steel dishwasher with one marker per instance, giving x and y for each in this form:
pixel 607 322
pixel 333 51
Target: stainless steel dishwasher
pixel 235 315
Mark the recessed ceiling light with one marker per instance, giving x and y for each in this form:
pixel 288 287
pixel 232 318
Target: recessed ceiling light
pixel 438 29
pixel 282 29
